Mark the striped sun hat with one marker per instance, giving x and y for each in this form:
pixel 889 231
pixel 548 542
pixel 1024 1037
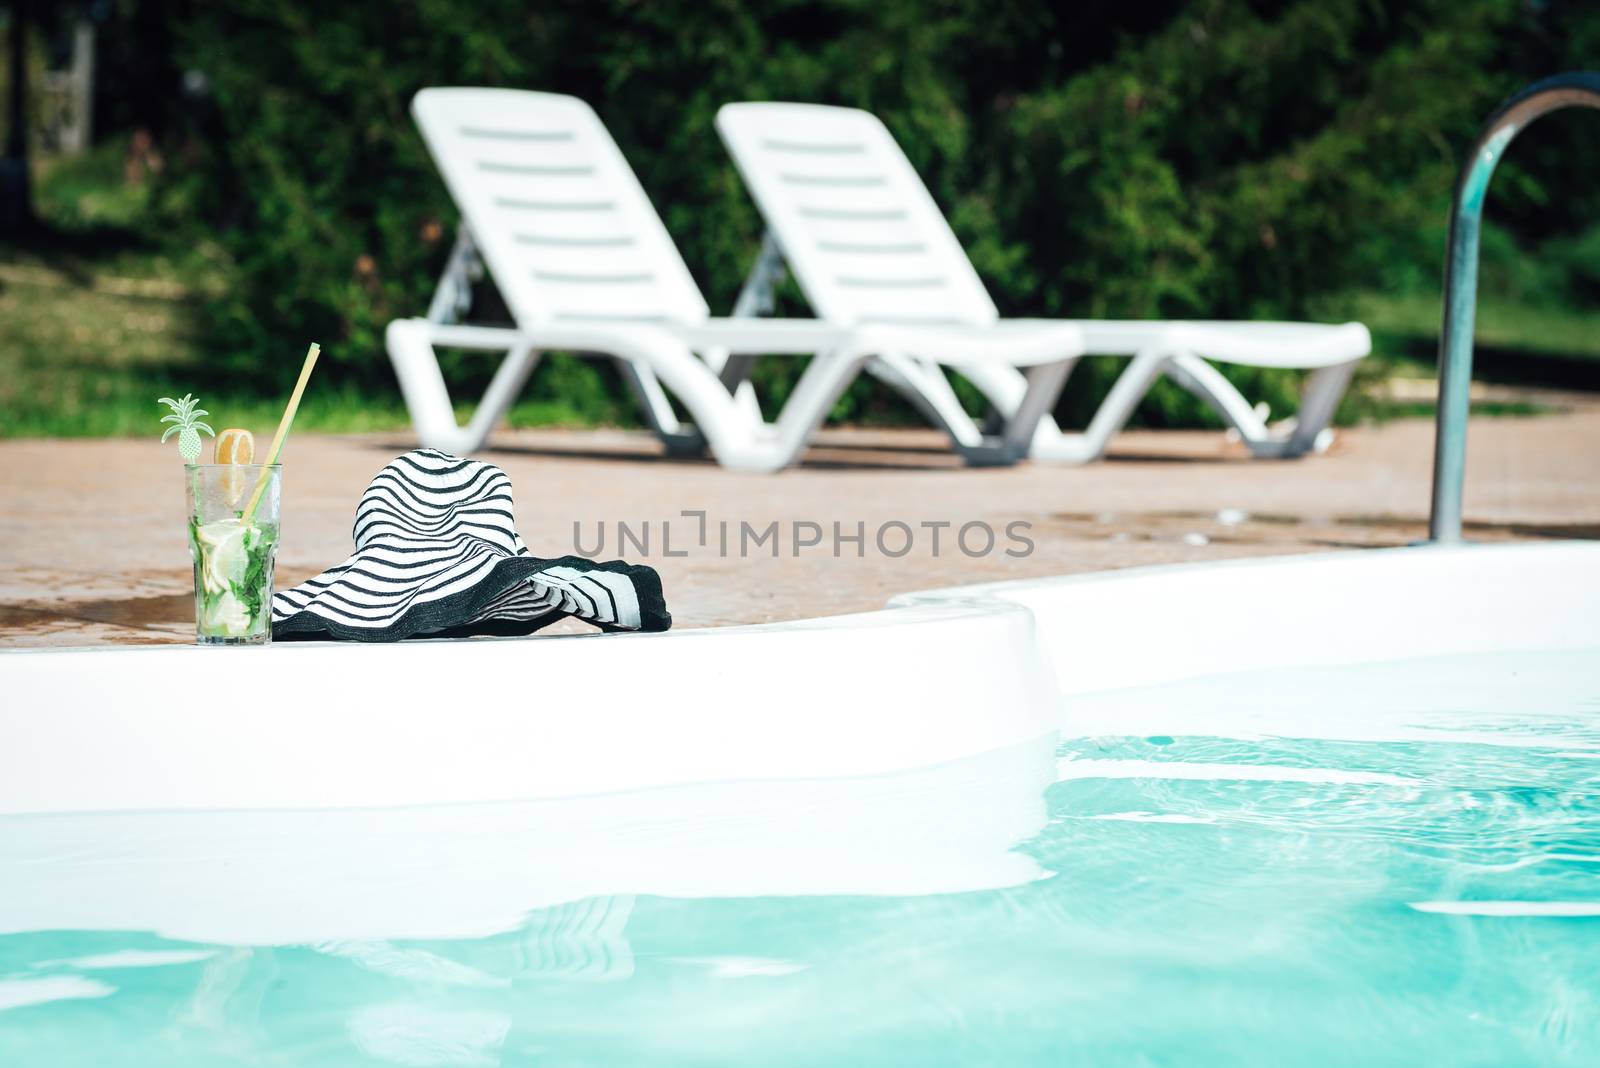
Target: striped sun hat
pixel 437 556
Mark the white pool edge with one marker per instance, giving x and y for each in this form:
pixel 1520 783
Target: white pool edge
pixel 331 725
pixel 1148 626
pixel 934 677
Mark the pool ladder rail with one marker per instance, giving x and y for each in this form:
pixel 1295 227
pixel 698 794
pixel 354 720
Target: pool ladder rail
pixel 1575 89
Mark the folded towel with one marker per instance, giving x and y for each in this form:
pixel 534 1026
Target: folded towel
pixel 437 556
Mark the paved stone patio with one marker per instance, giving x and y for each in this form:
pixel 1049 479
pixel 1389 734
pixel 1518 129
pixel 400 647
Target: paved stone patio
pixel 93 551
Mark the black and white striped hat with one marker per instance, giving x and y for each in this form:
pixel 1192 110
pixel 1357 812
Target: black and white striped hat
pixel 437 556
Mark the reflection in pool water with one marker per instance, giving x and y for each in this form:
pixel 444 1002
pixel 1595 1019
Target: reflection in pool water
pixel 1393 865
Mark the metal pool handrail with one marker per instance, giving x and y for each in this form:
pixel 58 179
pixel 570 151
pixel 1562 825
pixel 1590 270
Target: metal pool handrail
pixel 1577 89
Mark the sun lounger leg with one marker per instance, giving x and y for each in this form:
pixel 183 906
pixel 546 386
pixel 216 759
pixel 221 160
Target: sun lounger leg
pixel 930 393
pixel 820 386
pixel 1126 393
pixel 1324 389
pixel 422 385
pixel 687 440
pixel 1210 385
pixel 452 297
pixel 653 404
pixel 1045 382
pixel 509 378
pixel 1112 415
pixel 1004 388
pixel 1308 432
pixel 734 370
pixel 726 432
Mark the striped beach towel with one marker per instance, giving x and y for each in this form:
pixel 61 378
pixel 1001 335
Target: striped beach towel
pixel 437 556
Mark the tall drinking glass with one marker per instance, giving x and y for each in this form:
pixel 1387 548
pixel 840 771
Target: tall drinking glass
pixel 233 559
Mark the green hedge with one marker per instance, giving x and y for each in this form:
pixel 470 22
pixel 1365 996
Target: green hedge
pixel 1206 158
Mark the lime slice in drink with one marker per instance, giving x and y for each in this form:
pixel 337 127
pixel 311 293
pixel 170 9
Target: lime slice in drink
pixel 222 553
pixel 227 615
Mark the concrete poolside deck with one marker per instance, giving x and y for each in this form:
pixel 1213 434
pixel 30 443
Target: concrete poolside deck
pixel 92 546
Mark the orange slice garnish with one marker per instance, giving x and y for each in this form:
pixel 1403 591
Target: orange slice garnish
pixel 234 447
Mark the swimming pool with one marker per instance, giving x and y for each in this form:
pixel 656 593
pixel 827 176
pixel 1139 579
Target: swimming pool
pixel 1342 809
pixel 1419 882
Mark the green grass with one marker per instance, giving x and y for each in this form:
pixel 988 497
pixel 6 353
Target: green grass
pixel 1383 411
pixel 87 354
pixel 1519 344
pixel 1513 326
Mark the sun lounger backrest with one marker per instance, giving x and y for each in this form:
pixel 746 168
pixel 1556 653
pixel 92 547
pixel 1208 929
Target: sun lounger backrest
pixel 864 238
pixel 556 212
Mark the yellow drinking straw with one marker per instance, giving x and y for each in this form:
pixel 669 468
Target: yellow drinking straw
pixel 283 432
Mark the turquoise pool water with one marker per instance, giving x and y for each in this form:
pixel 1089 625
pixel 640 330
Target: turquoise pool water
pixel 1397 864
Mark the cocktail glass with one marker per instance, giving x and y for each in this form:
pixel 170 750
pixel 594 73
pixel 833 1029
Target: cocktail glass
pixel 233 558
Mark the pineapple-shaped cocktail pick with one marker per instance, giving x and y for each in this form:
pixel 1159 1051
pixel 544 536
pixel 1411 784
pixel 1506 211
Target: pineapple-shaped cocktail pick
pixel 185 420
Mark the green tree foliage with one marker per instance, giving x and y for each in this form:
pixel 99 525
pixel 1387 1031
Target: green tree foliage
pixel 1205 158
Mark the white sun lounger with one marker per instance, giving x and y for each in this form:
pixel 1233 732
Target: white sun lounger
pixel 584 263
pixel 867 244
